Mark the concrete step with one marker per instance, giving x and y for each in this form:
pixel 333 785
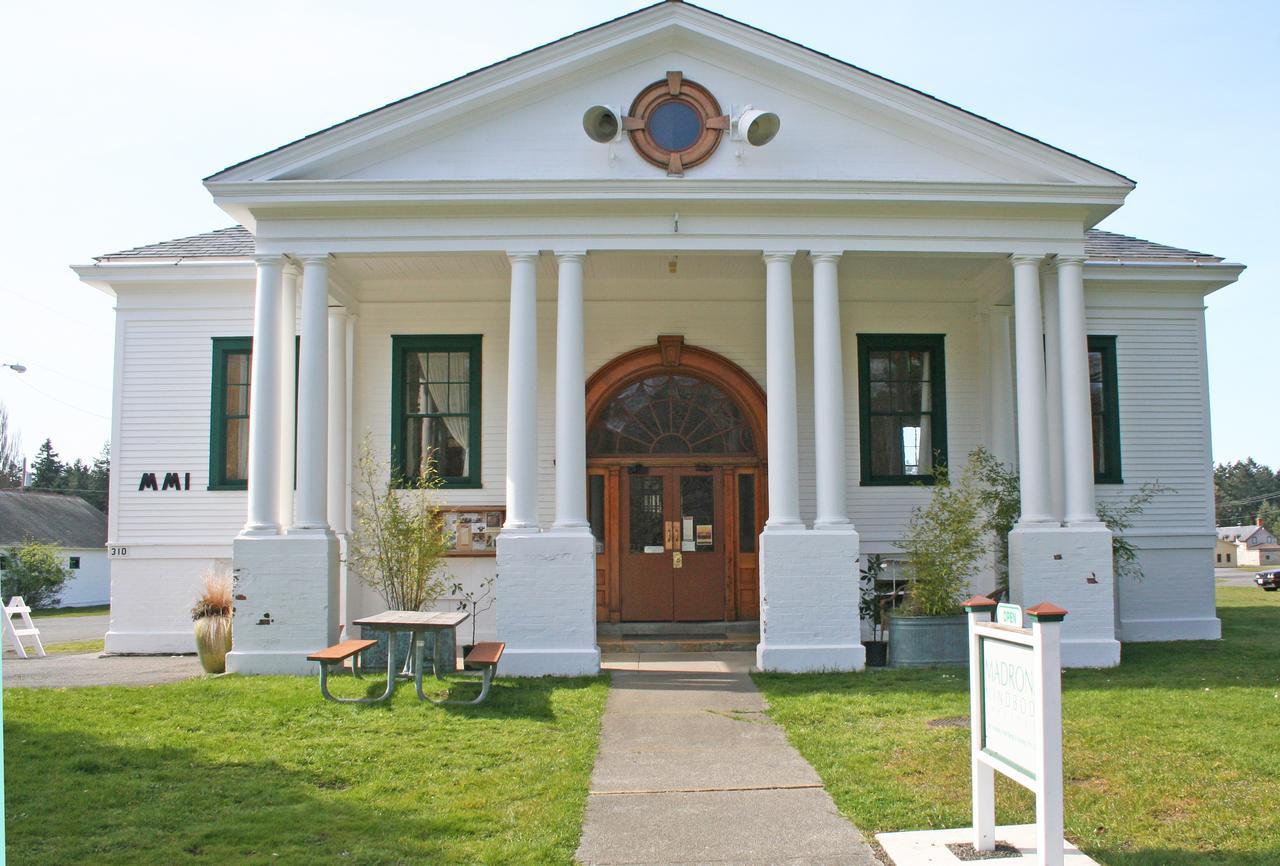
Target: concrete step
pixel 672 643
pixel 682 629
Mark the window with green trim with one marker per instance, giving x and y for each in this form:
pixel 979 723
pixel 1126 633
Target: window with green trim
pixel 1104 400
pixel 435 407
pixel 901 407
pixel 229 414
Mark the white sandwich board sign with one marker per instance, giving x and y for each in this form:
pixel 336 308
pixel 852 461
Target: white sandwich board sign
pixel 1015 705
pixel 15 633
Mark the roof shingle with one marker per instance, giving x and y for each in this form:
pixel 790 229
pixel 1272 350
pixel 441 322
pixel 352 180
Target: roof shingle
pixel 54 518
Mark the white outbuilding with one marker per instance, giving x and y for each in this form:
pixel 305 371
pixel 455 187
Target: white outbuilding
pixel 689 314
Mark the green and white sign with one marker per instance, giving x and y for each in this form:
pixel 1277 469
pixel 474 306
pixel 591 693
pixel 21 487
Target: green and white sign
pixel 1010 701
pixel 1009 614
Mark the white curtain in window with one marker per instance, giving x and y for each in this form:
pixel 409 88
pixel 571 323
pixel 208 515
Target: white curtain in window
pixel 438 387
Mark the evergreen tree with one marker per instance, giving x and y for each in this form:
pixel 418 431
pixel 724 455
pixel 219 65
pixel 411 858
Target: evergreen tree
pixel 46 472
pixel 1269 514
pixel 1240 488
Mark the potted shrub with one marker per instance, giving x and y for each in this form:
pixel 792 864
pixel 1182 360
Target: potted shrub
pixel 944 545
pixel 212 617
pixel 873 604
pixel 398 545
pixel 471 602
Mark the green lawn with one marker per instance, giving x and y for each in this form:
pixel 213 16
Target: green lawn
pixel 1172 759
pixel 75 646
pixel 92 610
pixel 261 770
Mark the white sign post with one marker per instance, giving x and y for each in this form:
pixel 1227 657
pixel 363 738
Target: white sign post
pixel 17 606
pixel 1015 712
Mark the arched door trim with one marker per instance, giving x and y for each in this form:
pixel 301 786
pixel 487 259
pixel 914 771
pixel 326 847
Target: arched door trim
pixel 671 356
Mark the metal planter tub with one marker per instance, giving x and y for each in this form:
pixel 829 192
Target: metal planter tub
pixel 926 641
pixel 375 657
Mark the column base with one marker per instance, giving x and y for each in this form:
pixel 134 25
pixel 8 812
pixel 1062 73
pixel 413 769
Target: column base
pixel 1070 566
pixel 286 602
pixel 809 597
pixel 546 608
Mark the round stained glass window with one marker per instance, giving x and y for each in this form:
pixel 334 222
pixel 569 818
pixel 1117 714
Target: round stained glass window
pixel 676 123
pixel 670 415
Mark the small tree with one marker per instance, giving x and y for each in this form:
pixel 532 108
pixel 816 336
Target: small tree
pixel 34 570
pixel 872 600
pixel 471 601
pixel 1001 502
pixel 10 453
pixel 1118 518
pixel 399 541
pixel 945 541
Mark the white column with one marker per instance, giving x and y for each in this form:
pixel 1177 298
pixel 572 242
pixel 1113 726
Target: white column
pixel 264 402
pixel 780 385
pixel 1033 464
pixel 522 395
pixel 1053 395
pixel 288 349
pixel 313 398
pixel 828 394
pixel 571 406
pixel 1000 361
pixel 337 456
pixel 1077 420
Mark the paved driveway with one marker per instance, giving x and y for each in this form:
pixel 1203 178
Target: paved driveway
pixel 1234 577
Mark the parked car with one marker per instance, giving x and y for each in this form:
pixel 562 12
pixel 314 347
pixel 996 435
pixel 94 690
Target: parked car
pixel 1268 580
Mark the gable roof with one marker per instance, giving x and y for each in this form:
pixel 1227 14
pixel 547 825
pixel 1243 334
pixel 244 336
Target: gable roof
pixel 1239 533
pixel 54 518
pixel 236 241
pixel 669 9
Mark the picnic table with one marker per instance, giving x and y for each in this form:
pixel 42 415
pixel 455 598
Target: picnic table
pixel 422 626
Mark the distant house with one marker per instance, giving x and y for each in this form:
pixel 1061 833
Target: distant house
pixel 74 525
pixel 1254 545
pixel 1224 553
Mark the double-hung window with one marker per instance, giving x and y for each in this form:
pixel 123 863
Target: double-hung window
pixel 902 407
pixel 435 407
pixel 229 414
pixel 1104 402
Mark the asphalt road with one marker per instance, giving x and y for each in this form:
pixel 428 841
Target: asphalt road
pixel 1234 577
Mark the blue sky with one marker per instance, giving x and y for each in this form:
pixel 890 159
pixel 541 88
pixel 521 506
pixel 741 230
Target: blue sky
pixel 115 111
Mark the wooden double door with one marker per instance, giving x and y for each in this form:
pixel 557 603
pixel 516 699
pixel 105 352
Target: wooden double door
pixel 673 544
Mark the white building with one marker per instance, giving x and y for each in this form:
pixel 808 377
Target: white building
pixel 70 523
pixel 776 340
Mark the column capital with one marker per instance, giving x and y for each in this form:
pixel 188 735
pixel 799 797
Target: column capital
pixel 263 259
pixel 833 256
pixel 515 256
pixel 312 259
pixel 785 256
pixel 570 255
pixel 1026 259
pixel 1061 260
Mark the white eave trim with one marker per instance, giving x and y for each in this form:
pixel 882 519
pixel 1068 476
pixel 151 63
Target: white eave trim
pixel 1210 275
pixel 311 192
pixel 105 274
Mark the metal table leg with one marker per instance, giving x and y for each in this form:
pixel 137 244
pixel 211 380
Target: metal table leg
pixel 391 679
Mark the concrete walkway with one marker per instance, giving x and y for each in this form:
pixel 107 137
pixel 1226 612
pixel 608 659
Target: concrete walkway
pixel 91 669
pixel 691 770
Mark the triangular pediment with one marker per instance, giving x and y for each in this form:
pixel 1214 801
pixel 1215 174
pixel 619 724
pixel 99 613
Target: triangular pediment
pixel 522 119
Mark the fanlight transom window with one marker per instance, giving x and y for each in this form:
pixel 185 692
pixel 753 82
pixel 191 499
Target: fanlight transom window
pixel 671 415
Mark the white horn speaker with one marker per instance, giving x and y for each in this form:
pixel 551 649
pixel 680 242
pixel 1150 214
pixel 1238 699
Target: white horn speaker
pixel 602 124
pixel 757 128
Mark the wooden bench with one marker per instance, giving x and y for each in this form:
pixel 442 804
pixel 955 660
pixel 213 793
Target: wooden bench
pixel 336 655
pixel 483 655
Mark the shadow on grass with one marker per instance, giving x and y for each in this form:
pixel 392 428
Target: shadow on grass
pixel 526 698
pixel 137 804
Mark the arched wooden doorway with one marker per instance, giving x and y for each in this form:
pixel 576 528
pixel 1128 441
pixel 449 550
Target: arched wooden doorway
pixel 676 474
